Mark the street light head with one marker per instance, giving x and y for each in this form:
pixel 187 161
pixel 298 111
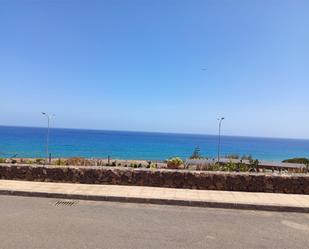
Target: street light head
pixel 48 115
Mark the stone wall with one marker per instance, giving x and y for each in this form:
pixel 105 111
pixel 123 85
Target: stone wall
pixel 250 182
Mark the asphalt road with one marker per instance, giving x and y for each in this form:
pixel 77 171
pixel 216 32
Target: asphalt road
pixel 38 223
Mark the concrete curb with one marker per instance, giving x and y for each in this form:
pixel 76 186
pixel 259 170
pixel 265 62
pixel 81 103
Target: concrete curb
pixel 207 204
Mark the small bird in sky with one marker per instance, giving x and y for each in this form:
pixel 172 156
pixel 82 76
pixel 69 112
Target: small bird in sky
pixel 204 69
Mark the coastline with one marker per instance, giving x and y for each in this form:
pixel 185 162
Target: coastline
pixel 189 164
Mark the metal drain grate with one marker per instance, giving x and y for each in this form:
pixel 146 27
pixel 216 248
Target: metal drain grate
pixel 65 203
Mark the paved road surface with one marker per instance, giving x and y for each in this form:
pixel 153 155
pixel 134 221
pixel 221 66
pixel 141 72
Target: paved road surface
pixel 38 223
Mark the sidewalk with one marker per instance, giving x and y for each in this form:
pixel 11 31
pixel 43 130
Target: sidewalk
pixel 153 195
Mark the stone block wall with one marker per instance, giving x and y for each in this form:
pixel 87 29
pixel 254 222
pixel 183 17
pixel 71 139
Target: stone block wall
pixel 250 182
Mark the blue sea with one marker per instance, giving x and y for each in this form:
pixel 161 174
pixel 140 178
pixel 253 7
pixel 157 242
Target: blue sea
pixel 30 142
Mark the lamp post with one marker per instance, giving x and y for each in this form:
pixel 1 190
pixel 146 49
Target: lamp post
pixel 219 138
pixel 49 117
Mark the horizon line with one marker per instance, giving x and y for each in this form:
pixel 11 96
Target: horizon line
pixel 155 132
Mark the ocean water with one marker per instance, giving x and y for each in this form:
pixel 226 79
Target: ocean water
pixel 30 142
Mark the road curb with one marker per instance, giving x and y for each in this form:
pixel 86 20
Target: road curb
pixel 206 204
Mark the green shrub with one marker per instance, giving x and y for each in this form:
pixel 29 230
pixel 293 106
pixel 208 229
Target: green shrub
pixel 136 165
pixel 39 161
pixel 208 167
pixel 29 161
pixel 60 162
pixel 297 160
pixel 133 165
pixel 230 166
pixel 174 163
pixel 2 160
pixel 243 167
pixel 148 164
pixel 153 166
pixel 78 161
pixel 254 164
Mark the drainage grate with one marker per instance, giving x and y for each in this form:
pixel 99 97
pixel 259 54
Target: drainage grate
pixel 65 203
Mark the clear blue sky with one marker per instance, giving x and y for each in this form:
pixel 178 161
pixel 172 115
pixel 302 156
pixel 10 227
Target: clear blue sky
pixel 136 65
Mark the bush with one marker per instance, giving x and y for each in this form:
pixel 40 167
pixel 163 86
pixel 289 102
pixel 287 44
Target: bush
pixel 133 165
pixel 254 164
pixel 243 167
pixel 60 162
pixel 153 166
pixel 208 167
pixel 297 160
pixel 39 161
pixel 237 167
pixel 174 163
pixel 149 163
pixel 77 161
pixel 230 166
pixel 2 160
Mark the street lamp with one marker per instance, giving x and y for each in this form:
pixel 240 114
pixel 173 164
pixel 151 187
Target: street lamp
pixel 219 138
pixel 49 117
